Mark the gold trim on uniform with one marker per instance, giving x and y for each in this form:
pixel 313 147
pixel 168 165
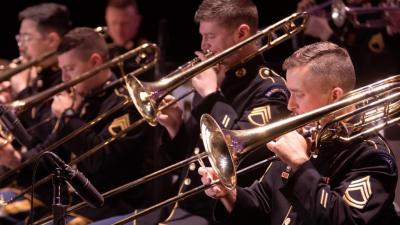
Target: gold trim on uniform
pixel 357 189
pixel 265 73
pixel 324 198
pixel 226 121
pixel 241 72
pixel 262 114
pixel 119 124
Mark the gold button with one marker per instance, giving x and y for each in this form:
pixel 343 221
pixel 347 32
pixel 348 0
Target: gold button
pixel 192 166
pixel 287 221
pixel 240 72
pixel 187 181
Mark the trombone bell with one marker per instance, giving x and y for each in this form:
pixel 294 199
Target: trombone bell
pixel 143 101
pixel 220 154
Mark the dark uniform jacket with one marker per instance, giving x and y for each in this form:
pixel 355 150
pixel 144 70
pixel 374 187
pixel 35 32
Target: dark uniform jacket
pixel 118 163
pixel 46 79
pixel 249 96
pixel 345 184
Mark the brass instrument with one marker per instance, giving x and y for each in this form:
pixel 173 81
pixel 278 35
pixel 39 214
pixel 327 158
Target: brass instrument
pixel 147 95
pixel 8 72
pixel 225 148
pixel 340 13
pixel 24 104
pixel 381 106
pixel 143 49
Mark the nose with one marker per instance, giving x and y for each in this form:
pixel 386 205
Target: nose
pixel 292 105
pixel 205 45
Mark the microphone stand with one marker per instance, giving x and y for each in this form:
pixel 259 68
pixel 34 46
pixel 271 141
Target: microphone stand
pixel 58 209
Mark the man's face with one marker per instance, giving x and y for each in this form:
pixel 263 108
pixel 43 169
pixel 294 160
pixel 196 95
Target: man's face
pixel 123 24
pixel 306 91
pixel 217 38
pixel 31 42
pixel 72 66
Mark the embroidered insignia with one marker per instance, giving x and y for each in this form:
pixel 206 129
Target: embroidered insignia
pixel 266 73
pixel 358 193
pixel 277 89
pixel 226 121
pixel 376 44
pixel 260 116
pixel 119 124
pixel 241 72
pixel 324 198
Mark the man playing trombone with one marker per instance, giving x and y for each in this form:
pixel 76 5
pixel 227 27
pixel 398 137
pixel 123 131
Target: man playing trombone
pixel 82 50
pixel 341 183
pixel 240 93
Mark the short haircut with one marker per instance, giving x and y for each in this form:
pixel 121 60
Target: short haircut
pixel 85 41
pixel 330 62
pixel 121 4
pixel 229 13
pixel 50 17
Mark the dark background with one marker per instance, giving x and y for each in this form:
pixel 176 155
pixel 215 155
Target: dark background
pixel 170 21
pixel 173 17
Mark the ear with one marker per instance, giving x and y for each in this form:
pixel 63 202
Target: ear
pixel 243 31
pixel 96 59
pixel 54 39
pixel 336 94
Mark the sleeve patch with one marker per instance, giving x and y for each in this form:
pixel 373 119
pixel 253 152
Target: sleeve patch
pixel 358 193
pixel 260 116
pixel 119 124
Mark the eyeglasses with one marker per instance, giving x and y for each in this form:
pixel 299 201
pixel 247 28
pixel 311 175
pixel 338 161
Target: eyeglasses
pixel 24 38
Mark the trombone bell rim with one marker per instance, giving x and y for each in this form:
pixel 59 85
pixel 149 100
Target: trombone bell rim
pixel 218 151
pixel 142 99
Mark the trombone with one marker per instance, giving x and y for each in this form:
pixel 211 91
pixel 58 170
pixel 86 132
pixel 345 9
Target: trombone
pixel 340 13
pixel 225 148
pixel 27 103
pixel 9 72
pixel 21 105
pixel 147 96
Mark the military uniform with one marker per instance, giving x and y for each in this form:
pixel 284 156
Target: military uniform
pixel 39 124
pixel 346 184
pixel 45 79
pixel 116 164
pixel 249 96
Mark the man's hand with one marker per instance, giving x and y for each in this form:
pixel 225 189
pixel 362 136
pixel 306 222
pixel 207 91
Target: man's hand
pixel 227 197
pixel 63 101
pixel 9 157
pixel 291 148
pixel 171 117
pixel 206 82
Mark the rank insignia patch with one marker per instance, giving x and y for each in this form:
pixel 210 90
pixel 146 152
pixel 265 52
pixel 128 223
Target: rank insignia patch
pixel 226 121
pixel 119 124
pixel 358 193
pixel 260 116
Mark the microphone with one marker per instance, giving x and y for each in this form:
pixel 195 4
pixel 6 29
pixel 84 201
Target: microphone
pixel 77 181
pixel 14 126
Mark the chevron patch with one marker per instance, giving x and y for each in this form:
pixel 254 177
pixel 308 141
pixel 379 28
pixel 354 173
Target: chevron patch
pixel 260 116
pixel 119 124
pixel 358 193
